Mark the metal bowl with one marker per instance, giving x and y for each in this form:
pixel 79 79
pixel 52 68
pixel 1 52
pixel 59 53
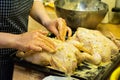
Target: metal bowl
pixel 81 13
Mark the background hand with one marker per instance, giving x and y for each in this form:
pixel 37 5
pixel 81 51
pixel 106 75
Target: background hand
pixel 59 28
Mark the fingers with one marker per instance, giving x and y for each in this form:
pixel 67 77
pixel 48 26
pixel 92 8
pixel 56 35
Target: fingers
pixel 43 32
pixel 47 41
pixel 63 29
pixel 24 54
pixel 69 32
pixel 34 48
pixel 35 41
pixel 59 28
pixel 46 44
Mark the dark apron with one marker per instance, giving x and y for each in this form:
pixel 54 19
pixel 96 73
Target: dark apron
pixel 13 19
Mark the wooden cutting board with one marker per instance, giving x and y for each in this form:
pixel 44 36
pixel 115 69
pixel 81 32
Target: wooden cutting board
pixel 21 73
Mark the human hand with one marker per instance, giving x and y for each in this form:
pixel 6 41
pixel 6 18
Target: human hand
pixel 35 41
pixel 59 28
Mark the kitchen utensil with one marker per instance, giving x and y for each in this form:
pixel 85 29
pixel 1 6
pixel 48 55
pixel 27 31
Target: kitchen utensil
pixel 114 15
pixel 81 13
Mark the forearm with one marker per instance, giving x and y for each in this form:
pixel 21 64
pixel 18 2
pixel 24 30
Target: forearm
pixel 34 40
pixel 39 14
pixel 8 40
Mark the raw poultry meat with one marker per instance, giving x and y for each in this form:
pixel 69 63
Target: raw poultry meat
pixel 85 44
pixel 99 48
pixel 64 59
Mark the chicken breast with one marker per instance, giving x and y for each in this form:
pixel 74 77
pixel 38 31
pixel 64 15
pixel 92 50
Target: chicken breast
pixel 64 59
pixel 99 47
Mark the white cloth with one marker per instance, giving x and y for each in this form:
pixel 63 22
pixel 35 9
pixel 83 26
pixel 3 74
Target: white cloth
pixel 58 78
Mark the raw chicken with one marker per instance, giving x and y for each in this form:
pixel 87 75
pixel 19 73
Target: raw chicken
pixel 99 47
pixel 85 44
pixel 64 59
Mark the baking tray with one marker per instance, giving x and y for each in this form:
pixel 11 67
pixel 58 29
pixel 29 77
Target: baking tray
pixel 47 71
pixel 85 70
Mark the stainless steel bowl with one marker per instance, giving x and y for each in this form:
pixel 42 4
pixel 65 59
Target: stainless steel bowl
pixel 81 13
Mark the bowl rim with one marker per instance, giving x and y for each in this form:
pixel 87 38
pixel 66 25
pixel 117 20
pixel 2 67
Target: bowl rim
pixel 105 9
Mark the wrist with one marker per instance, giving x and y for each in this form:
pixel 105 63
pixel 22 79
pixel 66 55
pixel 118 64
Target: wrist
pixel 15 42
pixel 7 40
pixel 46 23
